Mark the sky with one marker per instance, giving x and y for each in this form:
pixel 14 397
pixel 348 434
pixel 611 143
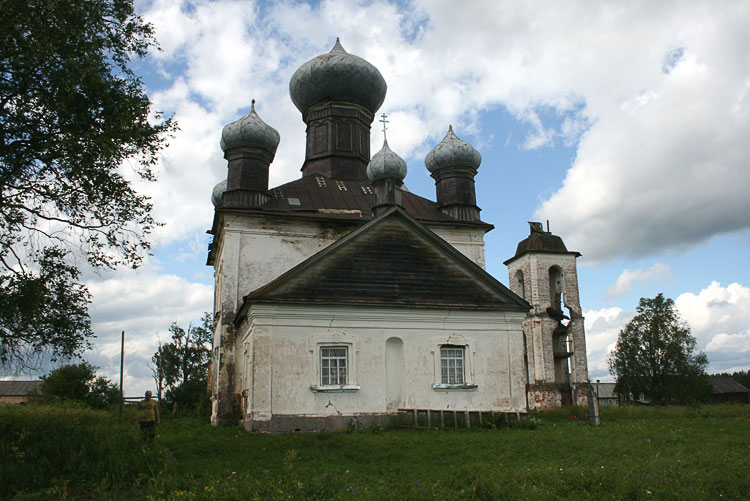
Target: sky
pixel 625 124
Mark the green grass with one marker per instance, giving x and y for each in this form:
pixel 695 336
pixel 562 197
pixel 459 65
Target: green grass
pixel 636 453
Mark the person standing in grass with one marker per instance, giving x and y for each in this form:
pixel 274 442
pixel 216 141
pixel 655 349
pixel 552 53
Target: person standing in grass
pixel 148 416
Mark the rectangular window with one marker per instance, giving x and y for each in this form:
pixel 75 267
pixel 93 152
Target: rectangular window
pixel 333 365
pixel 452 364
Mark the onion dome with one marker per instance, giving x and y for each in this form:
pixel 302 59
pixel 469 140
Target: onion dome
pixel 338 76
pixel 451 153
pixel 250 132
pixel 385 164
pixel 218 193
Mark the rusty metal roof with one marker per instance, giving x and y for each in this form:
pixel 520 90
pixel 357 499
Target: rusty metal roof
pixel 320 197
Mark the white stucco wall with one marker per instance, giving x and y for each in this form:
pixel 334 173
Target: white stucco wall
pixel 284 343
pixel 251 250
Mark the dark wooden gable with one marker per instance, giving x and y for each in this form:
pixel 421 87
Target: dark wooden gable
pixel 393 260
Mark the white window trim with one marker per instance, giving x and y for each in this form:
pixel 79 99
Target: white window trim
pixel 459 341
pixel 319 342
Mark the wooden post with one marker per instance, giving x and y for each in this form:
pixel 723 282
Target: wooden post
pixel 442 419
pixel 468 419
pixel 429 423
pixel 416 419
pixel 122 361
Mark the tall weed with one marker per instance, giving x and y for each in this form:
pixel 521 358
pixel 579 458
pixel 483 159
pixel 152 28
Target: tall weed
pixel 55 449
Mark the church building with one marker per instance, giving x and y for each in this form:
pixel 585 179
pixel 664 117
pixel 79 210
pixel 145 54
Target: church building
pixel 341 298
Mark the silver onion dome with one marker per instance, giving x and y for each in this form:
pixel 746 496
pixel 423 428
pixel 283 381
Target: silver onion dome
pixel 250 132
pixel 218 193
pixel 338 76
pixel 451 153
pixel 385 164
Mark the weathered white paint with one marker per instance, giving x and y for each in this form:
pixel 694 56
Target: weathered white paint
pixel 251 250
pixel 286 341
pixel 538 326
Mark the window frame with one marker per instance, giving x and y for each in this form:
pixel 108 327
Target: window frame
pixel 349 385
pixel 454 343
pixel 452 364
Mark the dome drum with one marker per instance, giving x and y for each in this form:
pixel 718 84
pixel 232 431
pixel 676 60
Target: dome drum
pixel 248 170
pixel 455 188
pixel 338 141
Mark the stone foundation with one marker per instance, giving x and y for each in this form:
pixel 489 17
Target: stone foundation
pixel 547 396
pixel 285 423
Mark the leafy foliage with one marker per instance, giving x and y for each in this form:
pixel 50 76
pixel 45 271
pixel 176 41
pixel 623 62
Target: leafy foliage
pixel 654 356
pixel 78 382
pixel 72 114
pixel 181 366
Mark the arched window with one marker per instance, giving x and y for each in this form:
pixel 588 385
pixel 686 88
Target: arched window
pixel 520 284
pixel 555 287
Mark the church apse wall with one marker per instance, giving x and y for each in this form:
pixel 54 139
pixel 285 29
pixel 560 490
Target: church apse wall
pixel 288 388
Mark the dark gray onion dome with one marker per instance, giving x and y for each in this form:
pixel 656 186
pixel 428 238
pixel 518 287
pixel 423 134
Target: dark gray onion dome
pixel 338 76
pixel 385 164
pixel 250 132
pixel 218 193
pixel 452 152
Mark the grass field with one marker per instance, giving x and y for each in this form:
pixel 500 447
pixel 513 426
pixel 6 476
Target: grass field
pixel 636 453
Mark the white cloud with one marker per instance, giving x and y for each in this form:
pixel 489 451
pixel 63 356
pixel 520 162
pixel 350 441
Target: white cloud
pixel 658 99
pixel 602 328
pixel 144 304
pixel 719 318
pixel 628 278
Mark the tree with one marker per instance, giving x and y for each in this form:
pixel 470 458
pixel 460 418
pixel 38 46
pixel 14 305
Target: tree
pixel 182 364
pixel 73 118
pixel 78 382
pixel 654 356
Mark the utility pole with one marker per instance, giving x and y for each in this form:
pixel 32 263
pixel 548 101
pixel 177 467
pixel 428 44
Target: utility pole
pixel 122 360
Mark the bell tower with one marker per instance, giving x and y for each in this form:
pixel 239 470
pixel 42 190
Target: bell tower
pixel 544 273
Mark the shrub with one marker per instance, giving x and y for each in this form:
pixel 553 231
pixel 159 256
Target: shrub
pixel 53 449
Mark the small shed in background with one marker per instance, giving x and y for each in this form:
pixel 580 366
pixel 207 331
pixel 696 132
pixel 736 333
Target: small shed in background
pixel 20 392
pixel 606 395
pixel 728 390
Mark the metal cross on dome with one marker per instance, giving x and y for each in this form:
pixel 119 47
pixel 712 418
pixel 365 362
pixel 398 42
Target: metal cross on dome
pixel 384 122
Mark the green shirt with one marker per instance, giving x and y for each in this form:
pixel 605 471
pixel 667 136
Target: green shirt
pixel 147 410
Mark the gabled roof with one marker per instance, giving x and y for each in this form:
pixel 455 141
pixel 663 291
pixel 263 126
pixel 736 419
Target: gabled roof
pixel 727 384
pixel 606 390
pixel 19 388
pixel 393 260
